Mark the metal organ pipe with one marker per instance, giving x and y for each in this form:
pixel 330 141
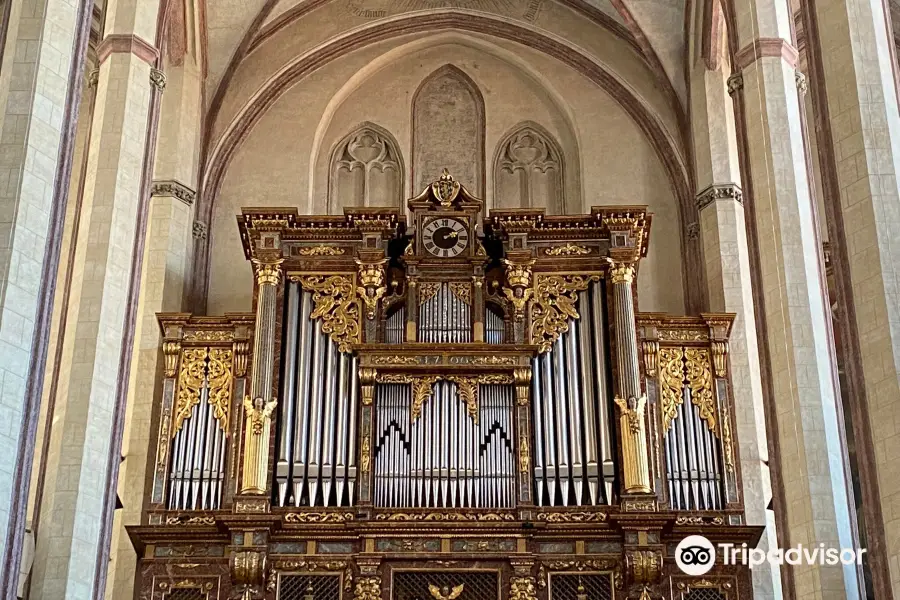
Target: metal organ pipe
pixel 196 472
pixel 317 430
pixel 573 432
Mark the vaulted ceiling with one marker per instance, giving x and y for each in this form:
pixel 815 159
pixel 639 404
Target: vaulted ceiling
pixel 655 28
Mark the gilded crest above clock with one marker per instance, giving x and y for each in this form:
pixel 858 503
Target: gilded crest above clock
pixel 444 216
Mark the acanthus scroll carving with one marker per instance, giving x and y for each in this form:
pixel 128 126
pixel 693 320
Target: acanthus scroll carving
pixel 554 304
pixel 334 297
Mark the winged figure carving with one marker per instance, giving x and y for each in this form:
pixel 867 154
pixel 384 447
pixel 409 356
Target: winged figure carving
pixel 445 593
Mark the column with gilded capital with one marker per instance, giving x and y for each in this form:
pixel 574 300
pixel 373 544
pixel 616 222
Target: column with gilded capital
pixel 631 402
pixel 260 404
pixel 791 297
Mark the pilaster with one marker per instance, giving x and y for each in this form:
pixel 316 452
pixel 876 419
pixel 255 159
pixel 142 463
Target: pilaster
pixel 44 51
pixel 793 305
pixel 70 549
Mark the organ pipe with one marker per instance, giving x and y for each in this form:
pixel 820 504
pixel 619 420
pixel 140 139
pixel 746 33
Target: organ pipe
pixel 316 463
pixel 573 456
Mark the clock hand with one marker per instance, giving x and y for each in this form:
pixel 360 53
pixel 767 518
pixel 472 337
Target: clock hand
pixel 452 235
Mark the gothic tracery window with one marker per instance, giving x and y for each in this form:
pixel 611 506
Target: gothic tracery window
pixel 366 170
pixel 528 170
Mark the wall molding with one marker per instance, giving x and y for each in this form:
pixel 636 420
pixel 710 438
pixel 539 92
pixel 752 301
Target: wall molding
pixel 121 43
pixel 719 191
pixel 173 189
pixel 766 48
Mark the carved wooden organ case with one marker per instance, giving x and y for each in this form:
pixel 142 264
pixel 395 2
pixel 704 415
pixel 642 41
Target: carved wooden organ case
pixel 442 405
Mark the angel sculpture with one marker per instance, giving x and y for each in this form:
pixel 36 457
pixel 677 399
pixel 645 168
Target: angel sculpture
pixel 445 593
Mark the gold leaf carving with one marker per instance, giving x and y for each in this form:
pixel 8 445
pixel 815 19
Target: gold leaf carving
pixel 185 520
pixel 683 335
pixel 319 517
pixel 494 360
pixel 190 380
pixel 569 249
pixel 671 379
pixel 463 291
pixel 700 381
pixel 206 335
pixel 428 290
pixel 321 250
pixel 422 388
pixel 336 304
pixel 553 306
pixel 441 516
pixel 396 360
pixel 572 517
pixel 220 384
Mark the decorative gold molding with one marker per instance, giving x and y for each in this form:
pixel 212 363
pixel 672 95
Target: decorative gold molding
pixel 422 388
pixel 462 291
pixel 171 352
pixel 445 516
pixel 320 250
pixel 395 360
pixel 189 520
pixel 335 301
pixel 683 335
pixel 208 335
pixel 428 290
pixel 554 304
pixel 727 442
pixel 572 517
pixel 241 351
pixel 621 272
pixel 368 588
pixel 568 249
pixel 719 356
pixel 495 360
pixel 319 517
pixel 650 352
pixel 522 588
pixel 606 564
pixel 524 456
pixel 268 272
pixel 220 383
pixel 190 380
pixel 699 520
pixel 671 380
pixel 162 448
pixel 697 369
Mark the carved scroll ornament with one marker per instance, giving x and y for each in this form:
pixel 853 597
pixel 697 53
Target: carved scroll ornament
pixel 335 301
pixel 554 304
pixel 422 388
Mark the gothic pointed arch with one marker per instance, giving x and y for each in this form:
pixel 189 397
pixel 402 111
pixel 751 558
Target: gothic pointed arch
pixel 366 169
pixel 448 129
pixel 529 170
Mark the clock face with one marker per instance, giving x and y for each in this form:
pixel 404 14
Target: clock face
pixel 445 237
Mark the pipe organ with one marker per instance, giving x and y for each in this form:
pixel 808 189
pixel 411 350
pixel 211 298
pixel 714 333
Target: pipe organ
pixel 442 402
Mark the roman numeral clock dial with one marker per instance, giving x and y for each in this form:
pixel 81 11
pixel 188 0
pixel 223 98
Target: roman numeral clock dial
pixel 445 237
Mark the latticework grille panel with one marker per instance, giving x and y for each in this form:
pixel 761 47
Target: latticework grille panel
pixel 413 585
pixel 186 594
pixel 564 586
pixel 705 594
pixel 309 587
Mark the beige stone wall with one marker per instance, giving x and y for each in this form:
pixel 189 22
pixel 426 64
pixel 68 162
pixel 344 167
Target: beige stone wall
pixel 517 83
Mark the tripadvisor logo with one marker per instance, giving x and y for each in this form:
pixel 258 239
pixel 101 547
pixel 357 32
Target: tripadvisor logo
pixel 695 555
